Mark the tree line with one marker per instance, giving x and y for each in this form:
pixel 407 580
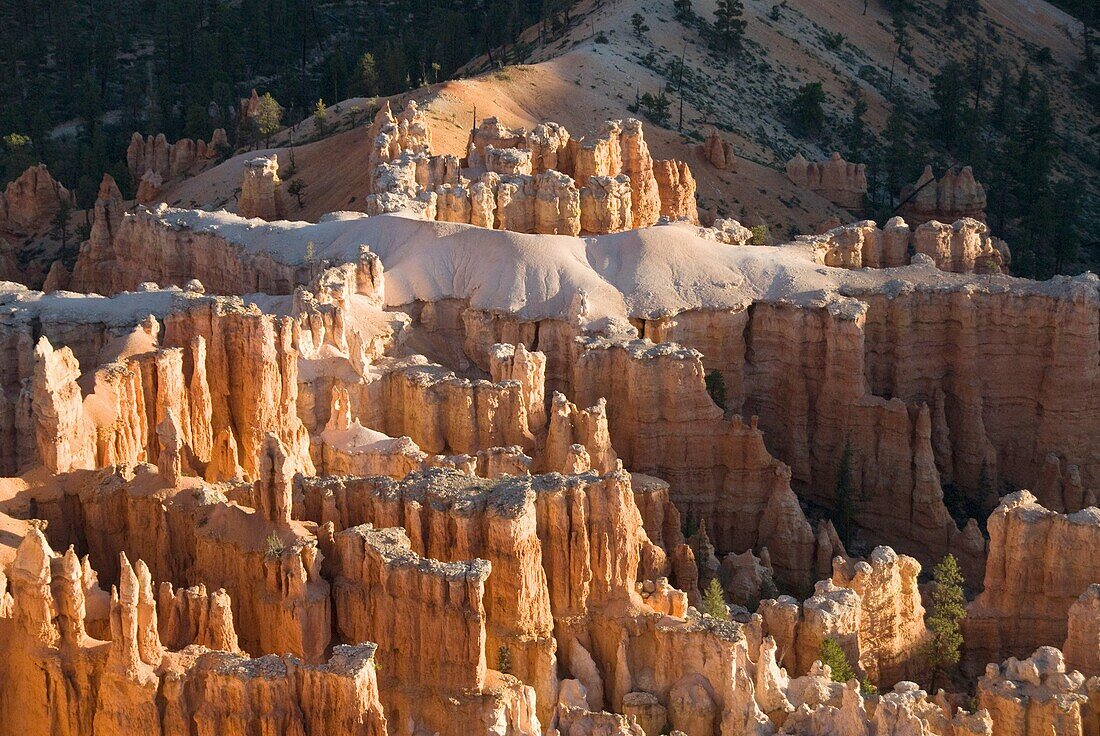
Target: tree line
pixel 84 74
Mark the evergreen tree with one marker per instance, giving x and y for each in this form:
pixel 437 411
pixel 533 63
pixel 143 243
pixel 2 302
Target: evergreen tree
pixel 366 75
pixel 833 656
pixel 268 117
pixel 949 95
pixel 716 387
pixel 684 10
pixel 856 136
pixel 807 109
pixel 897 154
pixel 320 116
pixel 728 25
pixel 903 44
pixel 637 22
pixel 714 601
pixel 845 504
pixel 943 648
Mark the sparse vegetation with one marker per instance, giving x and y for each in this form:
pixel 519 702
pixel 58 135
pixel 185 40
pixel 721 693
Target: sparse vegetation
pixel 320 116
pixel 295 189
pixel 504 660
pixel 637 22
pixel 269 116
pixel 760 234
pixel 273 545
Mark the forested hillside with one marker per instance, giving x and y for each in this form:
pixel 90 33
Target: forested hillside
pixel 82 75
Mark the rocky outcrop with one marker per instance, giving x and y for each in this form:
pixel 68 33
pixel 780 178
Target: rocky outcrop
pixel 383 588
pixel 1082 645
pixel 606 204
pixel 863 245
pixel 557 205
pixel 963 247
pixel 61 680
pixel 718 470
pixel 645 194
pixel 1015 614
pixel 155 155
pixel 676 186
pixel 261 190
pixel 30 202
pixel 1038 693
pixel 143 250
pixel 953 197
pixel 718 152
pixel 837 180
pixel 531 182
pixel 727 231
pixel 891 617
pixel 507 161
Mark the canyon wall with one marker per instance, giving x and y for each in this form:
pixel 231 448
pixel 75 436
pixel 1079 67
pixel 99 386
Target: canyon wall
pixel 1016 613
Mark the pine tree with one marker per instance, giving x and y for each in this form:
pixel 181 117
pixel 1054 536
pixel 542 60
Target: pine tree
pixel 637 21
pixel 834 656
pixel 728 25
pixel 897 155
pixel 714 601
pixel 902 42
pixel 320 115
pixel 845 504
pixel 855 132
pixel 716 387
pixel 683 10
pixel 949 94
pixel 942 650
pixel 807 108
pixel 269 115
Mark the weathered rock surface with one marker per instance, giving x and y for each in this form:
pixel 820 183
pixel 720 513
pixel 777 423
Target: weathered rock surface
pixel 1017 613
pixel 953 197
pixel 29 203
pixel 837 180
pixel 261 190
pixel 717 152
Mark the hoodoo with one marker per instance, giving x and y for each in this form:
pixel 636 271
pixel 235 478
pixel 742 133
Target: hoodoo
pixel 613 426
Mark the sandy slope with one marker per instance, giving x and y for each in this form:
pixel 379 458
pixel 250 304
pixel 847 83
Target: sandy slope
pixel 579 82
pixel 641 273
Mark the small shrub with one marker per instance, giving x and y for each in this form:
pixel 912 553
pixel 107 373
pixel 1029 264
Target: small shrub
pixel 273 546
pixel 504 660
pixel 760 235
pixel 601 37
pixel 832 41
